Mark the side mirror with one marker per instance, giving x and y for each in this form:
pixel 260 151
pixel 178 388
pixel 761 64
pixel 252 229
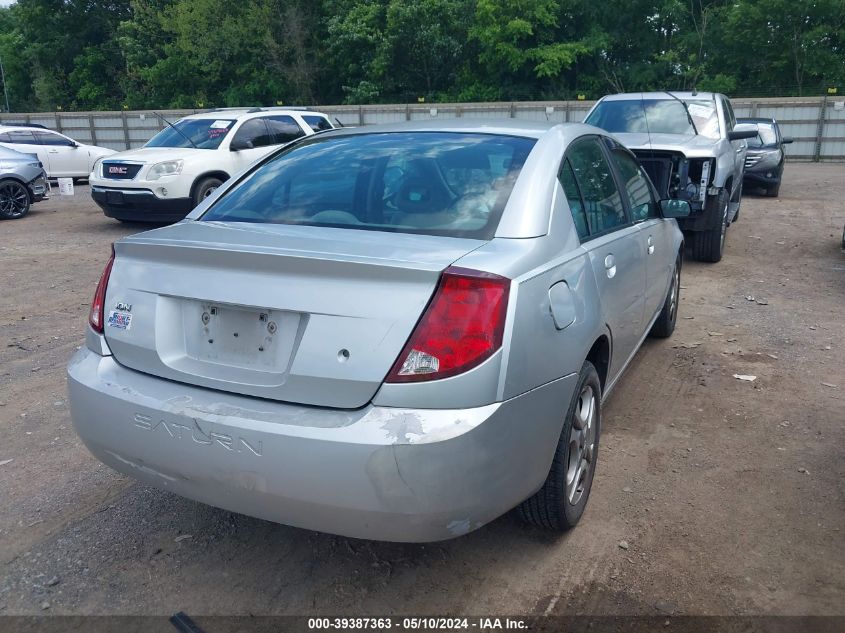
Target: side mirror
pixel 673 208
pixel 786 140
pixel 238 144
pixel 742 130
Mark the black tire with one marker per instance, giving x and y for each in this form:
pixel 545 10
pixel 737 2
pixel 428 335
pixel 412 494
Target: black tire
pixel 773 191
pixel 14 199
pixel 204 188
pixel 551 507
pixel 665 323
pixel 708 246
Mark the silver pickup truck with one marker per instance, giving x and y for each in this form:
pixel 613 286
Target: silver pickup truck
pixel 692 148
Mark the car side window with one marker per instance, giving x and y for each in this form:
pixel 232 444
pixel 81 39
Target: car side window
pixel 602 201
pixel 23 137
pixel 637 187
pixel 284 128
pixel 48 138
pixel 730 118
pixel 573 196
pixel 254 132
pixel 317 123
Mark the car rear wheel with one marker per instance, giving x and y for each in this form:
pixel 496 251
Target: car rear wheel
pixel 559 504
pixel 204 188
pixel 665 324
pixel 14 200
pixel 708 246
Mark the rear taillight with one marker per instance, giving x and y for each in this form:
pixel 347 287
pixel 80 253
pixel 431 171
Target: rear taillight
pixel 97 316
pixel 460 328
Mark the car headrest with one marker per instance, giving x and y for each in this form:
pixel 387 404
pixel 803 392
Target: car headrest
pixel 418 196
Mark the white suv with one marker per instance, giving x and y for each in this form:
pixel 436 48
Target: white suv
pixel 181 165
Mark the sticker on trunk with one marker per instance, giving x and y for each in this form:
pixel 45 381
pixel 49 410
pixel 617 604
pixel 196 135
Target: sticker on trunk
pixel 120 320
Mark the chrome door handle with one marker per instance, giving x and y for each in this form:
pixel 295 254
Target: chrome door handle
pixel 610 266
pixel 650 245
pixel 53 151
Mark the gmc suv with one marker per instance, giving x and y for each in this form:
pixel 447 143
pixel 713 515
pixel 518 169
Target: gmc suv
pixel 181 165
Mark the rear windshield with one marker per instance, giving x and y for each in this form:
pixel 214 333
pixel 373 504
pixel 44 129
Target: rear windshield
pixel 657 116
pixel 199 133
pixel 435 183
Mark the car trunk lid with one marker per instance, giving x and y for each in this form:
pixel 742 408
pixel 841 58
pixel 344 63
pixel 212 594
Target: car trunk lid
pixel 300 314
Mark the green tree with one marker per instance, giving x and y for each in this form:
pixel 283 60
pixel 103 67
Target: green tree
pixel 522 45
pixel 780 45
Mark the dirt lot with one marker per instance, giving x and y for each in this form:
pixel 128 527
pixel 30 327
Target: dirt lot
pixel 729 495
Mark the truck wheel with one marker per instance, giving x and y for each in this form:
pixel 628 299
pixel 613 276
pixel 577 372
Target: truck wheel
pixel 204 189
pixel 665 324
pixel 14 200
pixel 559 504
pixel 738 202
pixel 708 246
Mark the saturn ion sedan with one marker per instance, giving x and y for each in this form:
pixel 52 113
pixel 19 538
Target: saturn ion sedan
pixel 396 333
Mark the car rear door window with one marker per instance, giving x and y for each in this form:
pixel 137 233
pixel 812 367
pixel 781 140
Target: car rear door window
pixel 637 187
pixel 602 201
pixel 21 137
pixel 573 196
pixel 253 133
pixel 48 138
pixel 284 128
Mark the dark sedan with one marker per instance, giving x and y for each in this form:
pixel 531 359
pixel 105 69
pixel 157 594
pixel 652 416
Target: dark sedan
pixel 765 157
pixel 22 182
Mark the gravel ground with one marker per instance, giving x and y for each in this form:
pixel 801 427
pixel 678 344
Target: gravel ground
pixel 713 495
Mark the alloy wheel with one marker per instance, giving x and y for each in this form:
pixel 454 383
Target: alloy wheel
pixel 724 224
pixel 582 445
pixel 674 293
pixel 14 200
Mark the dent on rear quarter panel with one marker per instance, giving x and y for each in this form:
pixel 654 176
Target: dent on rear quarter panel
pixel 479 473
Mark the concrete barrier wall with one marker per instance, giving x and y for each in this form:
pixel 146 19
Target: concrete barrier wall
pixel 816 123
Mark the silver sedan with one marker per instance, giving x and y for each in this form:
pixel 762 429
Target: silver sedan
pixel 397 333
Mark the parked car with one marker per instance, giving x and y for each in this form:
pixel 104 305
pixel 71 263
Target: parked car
pixel 398 332
pixel 61 156
pixel 765 157
pixel 185 162
pixel 22 183
pixel 692 147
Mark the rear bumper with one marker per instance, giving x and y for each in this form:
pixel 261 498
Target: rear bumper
pixel 139 205
pixel 39 188
pixel 380 473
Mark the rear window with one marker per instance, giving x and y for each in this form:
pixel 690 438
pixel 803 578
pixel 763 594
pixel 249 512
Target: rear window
pixel 435 183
